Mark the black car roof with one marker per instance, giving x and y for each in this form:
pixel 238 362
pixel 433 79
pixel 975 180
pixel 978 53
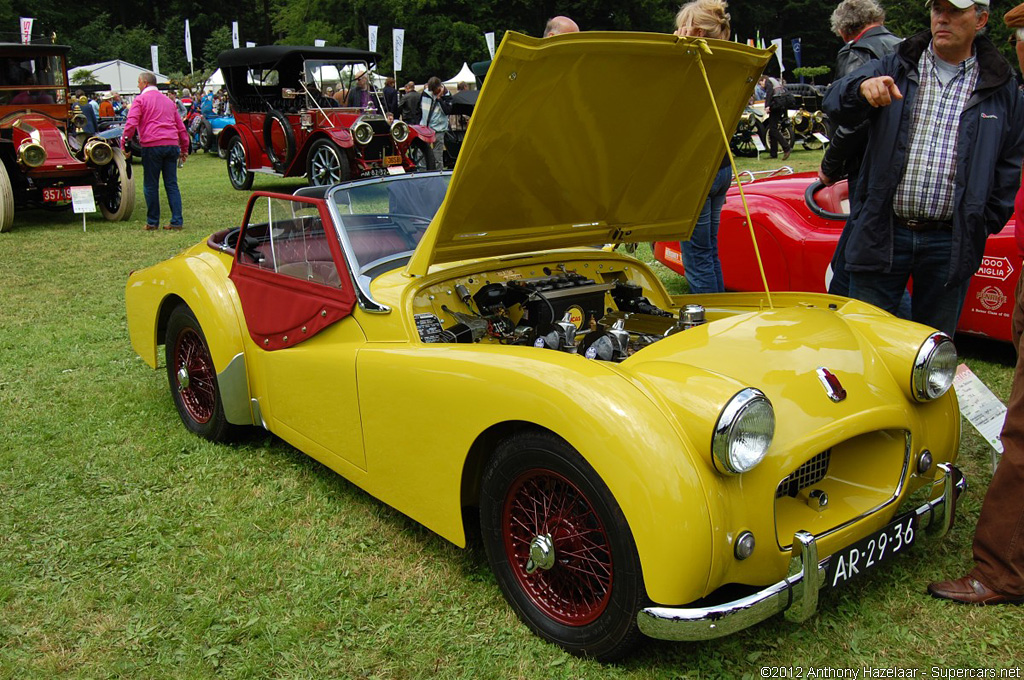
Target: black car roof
pixel 269 54
pixel 45 48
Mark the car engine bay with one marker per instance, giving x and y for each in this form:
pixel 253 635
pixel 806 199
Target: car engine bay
pixel 602 315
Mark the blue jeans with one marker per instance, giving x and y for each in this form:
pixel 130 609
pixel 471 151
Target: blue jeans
pixel 700 253
pixel 923 255
pixel 156 160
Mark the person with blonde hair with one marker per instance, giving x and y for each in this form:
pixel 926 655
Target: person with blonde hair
pixel 706 19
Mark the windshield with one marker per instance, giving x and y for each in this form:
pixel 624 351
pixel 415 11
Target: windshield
pixel 381 219
pixel 32 79
pixel 331 83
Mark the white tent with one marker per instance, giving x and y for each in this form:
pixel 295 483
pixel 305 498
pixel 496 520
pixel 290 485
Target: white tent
pixel 464 76
pixel 120 75
pixel 216 81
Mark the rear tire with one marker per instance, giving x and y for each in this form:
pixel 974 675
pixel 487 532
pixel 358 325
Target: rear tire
pixel 119 202
pixel 6 201
pixel 192 377
pixel 238 174
pixel 560 547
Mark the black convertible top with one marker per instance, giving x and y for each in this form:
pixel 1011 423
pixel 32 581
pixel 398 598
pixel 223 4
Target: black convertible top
pixel 270 54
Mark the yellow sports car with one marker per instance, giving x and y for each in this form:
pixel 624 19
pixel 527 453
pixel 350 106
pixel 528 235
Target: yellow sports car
pixel 455 344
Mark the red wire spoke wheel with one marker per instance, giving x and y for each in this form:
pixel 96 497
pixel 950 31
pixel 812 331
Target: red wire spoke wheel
pixel 192 377
pixel 560 547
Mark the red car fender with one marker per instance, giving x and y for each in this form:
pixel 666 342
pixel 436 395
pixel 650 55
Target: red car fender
pixel 425 133
pixel 253 146
pixel 340 136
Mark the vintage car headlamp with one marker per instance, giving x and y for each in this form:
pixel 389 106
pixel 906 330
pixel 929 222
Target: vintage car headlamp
pixel 743 432
pixel 363 132
pixel 399 131
pixel 934 368
pixel 79 120
pixel 31 153
pixel 98 152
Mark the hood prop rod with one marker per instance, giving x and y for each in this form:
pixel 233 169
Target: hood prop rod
pixel 702 46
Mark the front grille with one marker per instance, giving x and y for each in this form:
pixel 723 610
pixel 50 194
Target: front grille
pixel 808 474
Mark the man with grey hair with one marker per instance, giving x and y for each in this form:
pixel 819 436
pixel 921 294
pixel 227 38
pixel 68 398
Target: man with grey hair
pixel 859 24
pixel 558 25
pixel 164 144
pixel 942 164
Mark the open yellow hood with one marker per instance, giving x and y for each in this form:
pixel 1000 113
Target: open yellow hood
pixel 590 138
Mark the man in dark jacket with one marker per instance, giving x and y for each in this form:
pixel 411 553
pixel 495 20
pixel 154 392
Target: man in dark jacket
pixel 945 144
pixel 859 24
pixel 409 105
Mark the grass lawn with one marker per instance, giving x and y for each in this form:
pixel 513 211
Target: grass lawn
pixel 130 548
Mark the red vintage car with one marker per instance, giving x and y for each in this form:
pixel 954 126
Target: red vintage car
pixel 798 220
pixel 44 151
pixel 286 122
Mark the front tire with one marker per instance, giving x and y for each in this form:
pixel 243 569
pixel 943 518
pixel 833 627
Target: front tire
pixel 192 377
pixel 327 164
pixel 6 200
pixel 560 547
pixel 118 201
pixel 238 174
pixel 422 155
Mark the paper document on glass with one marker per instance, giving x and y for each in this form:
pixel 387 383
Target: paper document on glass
pixel 982 409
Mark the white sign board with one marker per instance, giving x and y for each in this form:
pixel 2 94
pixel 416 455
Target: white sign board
pixel 981 408
pixel 82 200
pixel 397 46
pixel 26 30
pixel 373 38
pixel 489 37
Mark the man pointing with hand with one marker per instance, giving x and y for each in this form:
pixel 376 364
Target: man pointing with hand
pixel 942 162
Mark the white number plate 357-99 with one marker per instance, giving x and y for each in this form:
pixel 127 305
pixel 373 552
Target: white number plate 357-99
pixel 871 551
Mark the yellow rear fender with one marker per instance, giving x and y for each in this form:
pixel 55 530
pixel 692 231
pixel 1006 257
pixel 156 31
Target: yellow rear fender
pixel 198 280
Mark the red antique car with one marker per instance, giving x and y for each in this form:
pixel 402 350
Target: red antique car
pixel 286 123
pixel 44 151
pixel 798 220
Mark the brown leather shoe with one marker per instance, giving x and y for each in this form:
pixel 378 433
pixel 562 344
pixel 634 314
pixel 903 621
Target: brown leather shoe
pixel 785 156
pixel 969 590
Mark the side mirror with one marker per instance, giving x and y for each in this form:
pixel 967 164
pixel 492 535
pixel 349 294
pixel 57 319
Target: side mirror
pixel 287 93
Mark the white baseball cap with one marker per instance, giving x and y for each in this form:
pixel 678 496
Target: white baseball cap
pixel 962 4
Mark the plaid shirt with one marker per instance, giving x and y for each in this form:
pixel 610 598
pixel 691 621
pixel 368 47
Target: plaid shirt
pixel 926 189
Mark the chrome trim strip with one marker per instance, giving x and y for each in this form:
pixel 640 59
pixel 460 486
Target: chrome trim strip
pixel 258 414
pixel 797 594
pixel 234 392
pixel 895 496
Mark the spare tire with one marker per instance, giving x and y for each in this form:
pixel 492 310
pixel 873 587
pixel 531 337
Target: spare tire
pixel 275 117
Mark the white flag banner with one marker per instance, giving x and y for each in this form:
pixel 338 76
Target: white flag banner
pixel 489 37
pixel 778 54
pixel 319 42
pixel 397 45
pixel 154 53
pixel 373 38
pixel 26 30
pixel 234 34
pixel 188 44
pixel 250 44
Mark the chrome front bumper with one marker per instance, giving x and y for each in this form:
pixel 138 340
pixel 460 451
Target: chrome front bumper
pixel 796 595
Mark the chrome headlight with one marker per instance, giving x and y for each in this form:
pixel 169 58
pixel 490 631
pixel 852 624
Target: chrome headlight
pixel 98 152
pixel 31 153
pixel 934 368
pixel 399 131
pixel 79 120
pixel 363 132
pixel 743 432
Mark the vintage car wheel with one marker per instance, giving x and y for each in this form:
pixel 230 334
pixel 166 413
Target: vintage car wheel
pixel 327 164
pixel 560 547
pixel 742 144
pixel 422 155
pixel 206 136
pixel 193 378
pixel 238 175
pixel 275 120
pixel 118 201
pixel 6 200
